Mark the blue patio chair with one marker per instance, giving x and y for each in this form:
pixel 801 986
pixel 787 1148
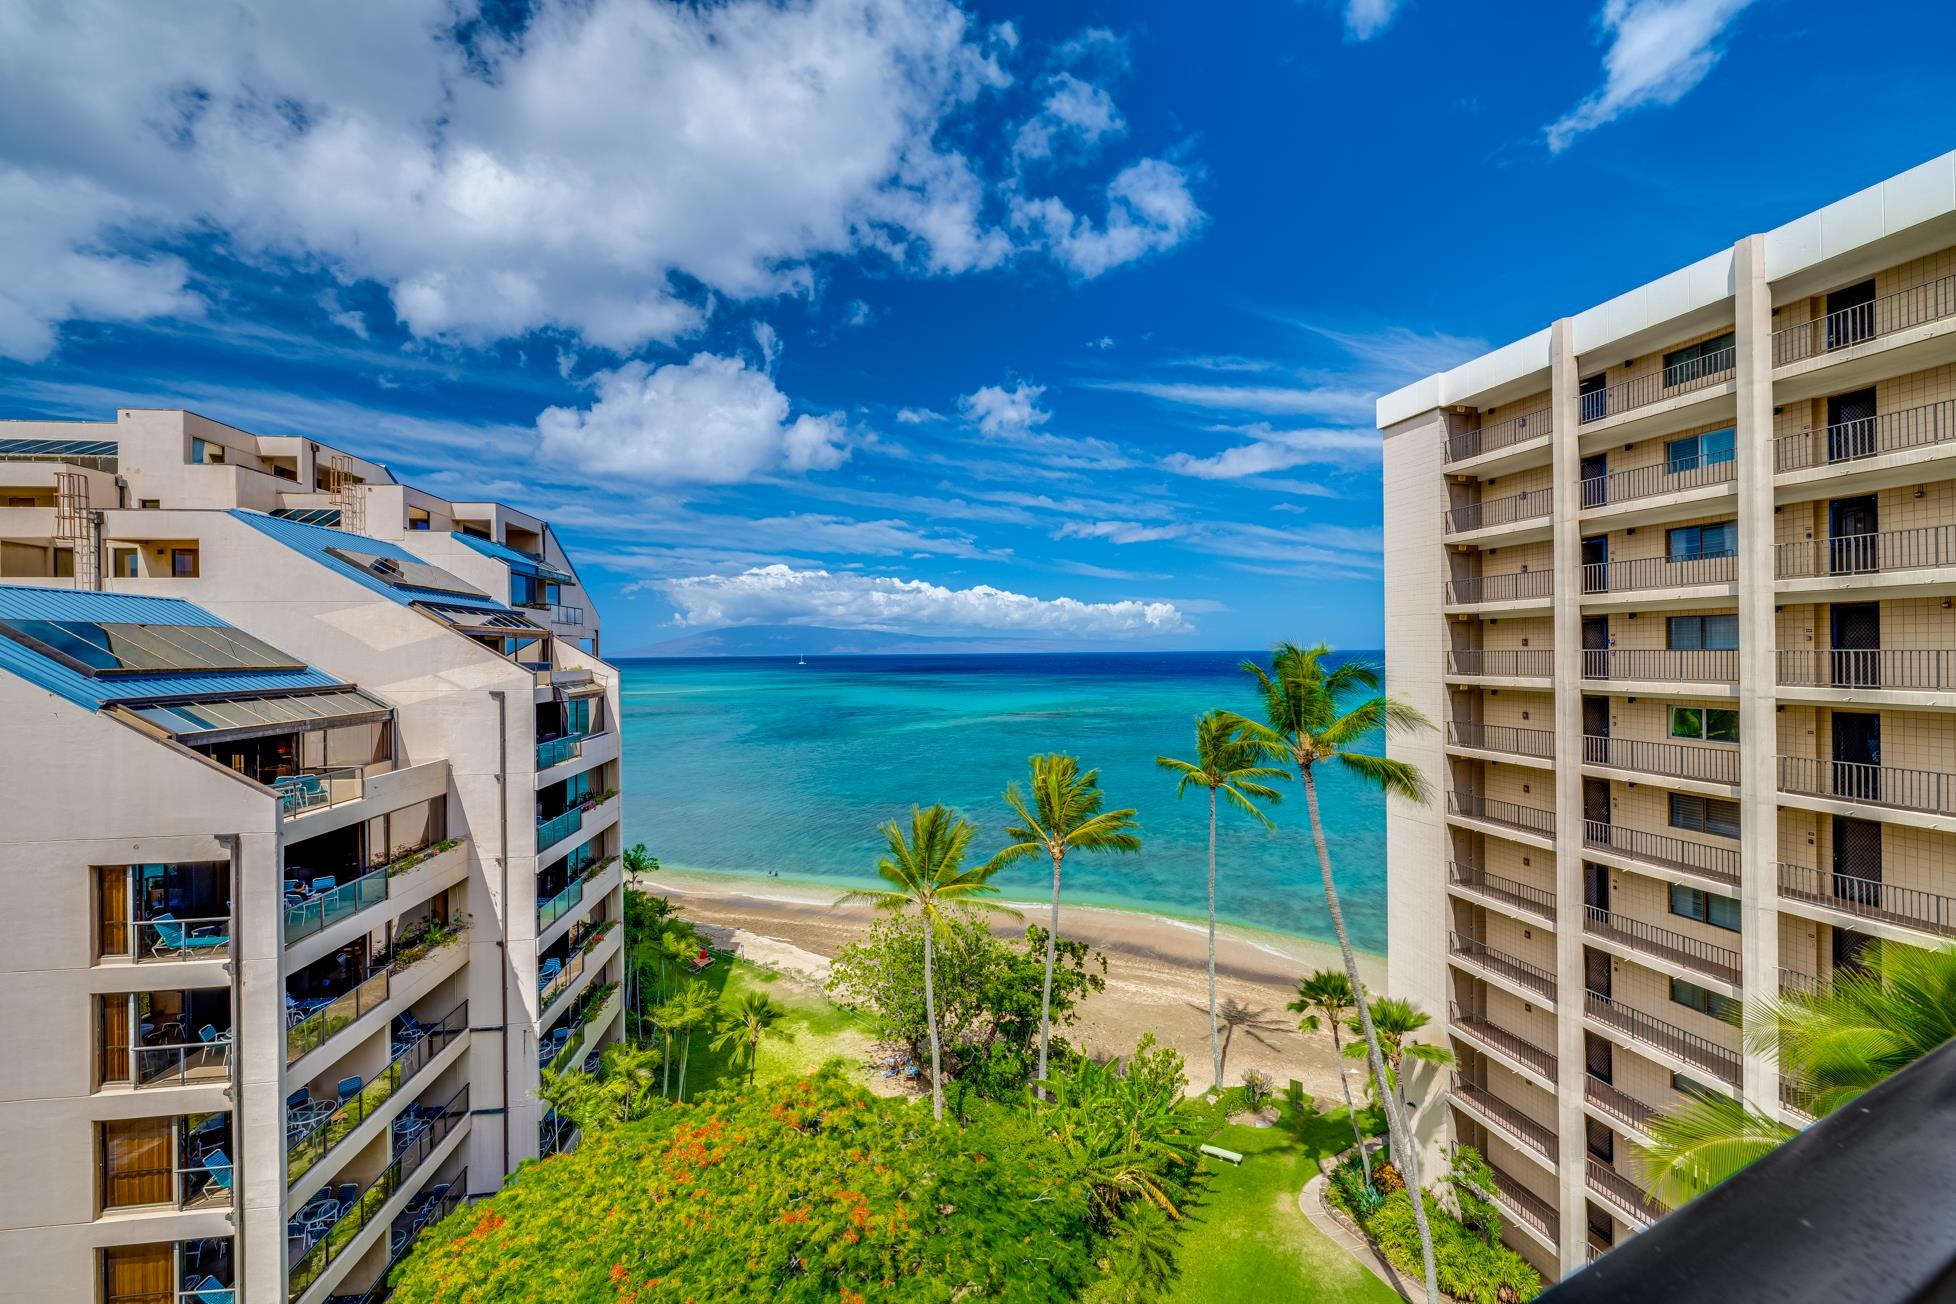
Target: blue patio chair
pixel 212 1291
pixel 349 1088
pixel 347 1193
pixel 214 1040
pixel 171 936
pixel 297 1098
pixel 325 884
pixel 293 887
pixel 219 1168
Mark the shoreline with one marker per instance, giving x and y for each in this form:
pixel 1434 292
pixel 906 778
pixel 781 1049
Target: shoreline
pixel 1157 970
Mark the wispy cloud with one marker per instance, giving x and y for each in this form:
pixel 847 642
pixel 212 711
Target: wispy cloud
pixel 1659 50
pixel 1365 19
pixel 1280 450
pixel 1269 400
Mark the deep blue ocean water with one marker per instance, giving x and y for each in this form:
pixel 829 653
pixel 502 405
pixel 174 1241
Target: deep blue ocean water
pixel 748 765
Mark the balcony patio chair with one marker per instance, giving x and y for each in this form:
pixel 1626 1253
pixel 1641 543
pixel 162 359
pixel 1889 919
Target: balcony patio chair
pixel 348 1088
pixel 298 1098
pixel 214 1040
pixel 170 936
pixel 219 1168
pixel 211 1291
pixel 323 884
pixel 347 1193
pixel 550 969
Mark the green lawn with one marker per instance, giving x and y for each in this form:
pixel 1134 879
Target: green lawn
pixel 822 1030
pixel 1248 1242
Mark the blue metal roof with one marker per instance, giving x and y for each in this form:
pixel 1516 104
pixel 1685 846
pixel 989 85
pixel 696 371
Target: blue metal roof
pixel 28 602
pixel 516 559
pixel 315 540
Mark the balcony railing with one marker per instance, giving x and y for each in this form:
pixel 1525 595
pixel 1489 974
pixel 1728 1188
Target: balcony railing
pixel 555 907
pixel 1493 1034
pixel 1523 819
pixel 1658 479
pixel 1797 980
pixel 1662 665
pixel 1667 1037
pixel 556 751
pixel 1508 663
pixel 1886 552
pixel 1617 1103
pixel 552 831
pixel 1525 1204
pixel 306 1146
pixel 1515 969
pixel 180 1063
pixel 1623 1193
pixel 1519 896
pixel 1931 668
pixel 1915 306
pixel 1511 510
pixel 1501 738
pixel 563 614
pixel 1663 943
pixel 206 937
pixel 1539 1138
pixel 1866 437
pixel 1869 899
pixel 317 1027
pixel 360 1213
pixel 304 918
pixel 1502 434
pixel 1653 387
pixel 1721 863
pixel 556 984
pixel 1701 762
pixel 436 1204
pixel 1796 1094
pixel 1515 586
pixel 1929 791
pixel 299 794
pixel 1658 573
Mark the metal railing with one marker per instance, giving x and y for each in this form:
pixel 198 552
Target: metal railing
pixel 1512 510
pixel 1869 898
pixel 176 1064
pixel 320 1026
pixel 1880 667
pixel 197 1186
pixel 1662 665
pixel 1512 1117
pixel 1502 434
pixel 205 938
pixel 1525 1204
pixel 558 983
pixel 1701 762
pixel 1515 586
pixel 305 1149
pixel 1515 969
pixel 1666 477
pixel 1797 980
pixel 1667 1037
pixel 552 831
pixel 1914 306
pixel 329 907
pixel 1663 943
pixel 1721 863
pixel 1623 1193
pixel 1866 437
pixel 1509 892
pixel 1512 663
pixel 408 1226
pixel 299 794
pixel 1617 1103
pixel 1512 739
pixel 1929 791
pixel 1527 819
pixel 1925 548
pixel 1652 387
pixel 1658 573
pixel 553 908
pixel 1493 1034
pixel 556 751
pixel 565 614
pixel 365 1207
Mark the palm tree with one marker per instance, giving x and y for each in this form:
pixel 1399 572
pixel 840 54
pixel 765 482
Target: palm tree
pixel 1396 1020
pixel 1833 1044
pixel 742 1028
pixel 926 870
pixel 682 1015
pixel 1065 816
pixel 1224 764
pixel 1325 1001
pixel 1306 723
pixel 640 860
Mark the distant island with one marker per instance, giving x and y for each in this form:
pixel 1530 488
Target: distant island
pixel 816 640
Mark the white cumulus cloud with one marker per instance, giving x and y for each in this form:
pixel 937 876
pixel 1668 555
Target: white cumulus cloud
pixel 1659 50
pixel 1002 413
pixel 780 594
pixel 1075 109
pixel 1365 19
pixel 1150 209
pixel 710 420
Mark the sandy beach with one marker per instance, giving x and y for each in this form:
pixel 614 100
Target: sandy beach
pixel 1156 971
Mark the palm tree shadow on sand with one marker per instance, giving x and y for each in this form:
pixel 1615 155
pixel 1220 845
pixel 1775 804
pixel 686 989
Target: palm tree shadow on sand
pixel 1255 1024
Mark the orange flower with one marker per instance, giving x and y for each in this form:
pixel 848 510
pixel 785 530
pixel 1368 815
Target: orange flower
pixel 618 1272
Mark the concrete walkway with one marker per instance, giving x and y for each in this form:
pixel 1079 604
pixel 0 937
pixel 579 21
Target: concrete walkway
pixel 1310 1203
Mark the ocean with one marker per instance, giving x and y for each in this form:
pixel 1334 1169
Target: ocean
pixel 744 766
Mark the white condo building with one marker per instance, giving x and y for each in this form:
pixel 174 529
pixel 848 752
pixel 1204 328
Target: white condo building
pixel 309 783
pixel 1673 576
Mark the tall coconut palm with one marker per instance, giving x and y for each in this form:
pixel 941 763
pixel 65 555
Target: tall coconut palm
pixel 1324 999
pixel 1064 816
pixel 1308 721
pixel 926 870
pixel 1834 1043
pixel 743 1027
pixel 1224 764
pixel 682 1015
pixel 1396 1020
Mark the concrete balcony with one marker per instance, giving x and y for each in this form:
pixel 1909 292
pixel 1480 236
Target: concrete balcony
pixel 1663 948
pixel 1530 1212
pixel 1852 789
pixel 1708 672
pixel 1672 397
pixel 1659 853
pixel 1618 1106
pixel 1509 972
pixel 1905 330
pixel 1906 446
pixel 1651 583
pixel 1714 767
pixel 1517 518
pixel 1622 1194
pixel 1520 441
pixel 1504 894
pixel 1845 900
pixel 1502 742
pixel 1517 1052
pixel 1533 825
pixel 1665 1042
pixel 1511 1122
pixel 1888 564
pixel 1916 678
pixel 1666 491
pixel 1502 667
pixel 1495 594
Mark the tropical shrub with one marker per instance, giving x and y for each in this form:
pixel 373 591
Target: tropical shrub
pixel 1257 1090
pixel 1467 1268
pixel 1126 1130
pixel 805 1190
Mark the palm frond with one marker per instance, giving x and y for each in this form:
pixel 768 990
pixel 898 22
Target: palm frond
pixel 1697 1147
pixel 1394 777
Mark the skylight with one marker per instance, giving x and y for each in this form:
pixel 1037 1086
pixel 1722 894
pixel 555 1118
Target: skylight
pixel 101 649
pixel 406 573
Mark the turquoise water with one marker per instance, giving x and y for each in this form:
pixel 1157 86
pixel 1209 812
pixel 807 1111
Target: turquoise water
pixel 746 766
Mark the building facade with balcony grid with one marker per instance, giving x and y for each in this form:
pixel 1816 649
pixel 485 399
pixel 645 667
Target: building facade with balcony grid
pixel 1673 579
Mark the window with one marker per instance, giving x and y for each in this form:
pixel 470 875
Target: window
pixel 1696 903
pixel 205 453
pixel 1709 723
pixel 1704 814
pixel 417 518
pixel 139 1274
pixel 1698 633
pixel 1696 361
pixel 1691 542
pixel 183 563
pixel 1691 994
pixel 122 563
pixel 137 1163
pixel 1695 452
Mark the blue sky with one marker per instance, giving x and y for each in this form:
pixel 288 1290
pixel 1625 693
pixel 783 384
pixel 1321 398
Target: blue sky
pixel 1057 321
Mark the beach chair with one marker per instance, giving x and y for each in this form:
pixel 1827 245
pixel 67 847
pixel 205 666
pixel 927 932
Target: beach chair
pixel 212 1291
pixel 349 1088
pixel 704 960
pixel 171 937
pixel 215 1041
pixel 219 1168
